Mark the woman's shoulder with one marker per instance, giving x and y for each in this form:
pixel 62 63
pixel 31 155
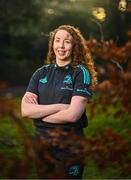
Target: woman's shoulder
pixel 40 71
pixel 82 72
pixel 81 68
pixel 43 68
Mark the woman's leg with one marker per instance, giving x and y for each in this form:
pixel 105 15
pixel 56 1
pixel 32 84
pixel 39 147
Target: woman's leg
pixel 57 159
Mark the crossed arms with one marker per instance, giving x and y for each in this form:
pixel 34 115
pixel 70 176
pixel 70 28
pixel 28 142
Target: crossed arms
pixel 54 113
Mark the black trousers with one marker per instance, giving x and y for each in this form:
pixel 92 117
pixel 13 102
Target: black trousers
pixel 58 153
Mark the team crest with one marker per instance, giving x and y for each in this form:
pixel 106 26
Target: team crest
pixel 68 79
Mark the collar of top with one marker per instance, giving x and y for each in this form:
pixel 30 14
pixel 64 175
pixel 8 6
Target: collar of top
pixel 66 67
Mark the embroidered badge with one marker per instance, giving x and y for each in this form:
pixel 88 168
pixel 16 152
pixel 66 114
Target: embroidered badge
pixel 43 80
pixel 68 79
pixel 74 170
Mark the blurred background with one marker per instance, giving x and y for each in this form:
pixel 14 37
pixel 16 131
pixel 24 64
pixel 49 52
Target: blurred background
pixel 25 26
pixel 106 26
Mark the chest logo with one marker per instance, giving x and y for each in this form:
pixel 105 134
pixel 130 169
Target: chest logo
pixel 43 80
pixel 68 79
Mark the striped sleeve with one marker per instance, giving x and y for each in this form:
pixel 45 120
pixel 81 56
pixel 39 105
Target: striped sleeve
pixel 82 82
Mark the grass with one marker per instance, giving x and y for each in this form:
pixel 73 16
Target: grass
pixel 102 120
pixel 92 171
pixel 121 126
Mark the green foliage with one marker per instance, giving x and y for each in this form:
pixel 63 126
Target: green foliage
pixel 102 120
pixel 111 135
pixel 92 171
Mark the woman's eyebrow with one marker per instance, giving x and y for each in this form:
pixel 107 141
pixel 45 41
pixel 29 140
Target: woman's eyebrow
pixel 68 38
pixel 57 37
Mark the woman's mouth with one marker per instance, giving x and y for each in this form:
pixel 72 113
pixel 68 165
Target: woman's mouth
pixel 61 53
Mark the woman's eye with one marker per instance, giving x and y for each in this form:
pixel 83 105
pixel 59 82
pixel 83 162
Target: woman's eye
pixel 67 41
pixel 57 40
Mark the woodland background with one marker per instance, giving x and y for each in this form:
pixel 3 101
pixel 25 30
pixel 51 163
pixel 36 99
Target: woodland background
pixel 24 30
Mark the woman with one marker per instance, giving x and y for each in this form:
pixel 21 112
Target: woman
pixel 57 93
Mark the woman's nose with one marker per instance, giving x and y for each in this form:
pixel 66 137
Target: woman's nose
pixel 61 45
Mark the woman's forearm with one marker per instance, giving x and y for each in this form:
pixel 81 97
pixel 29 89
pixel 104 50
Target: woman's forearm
pixel 39 111
pixel 31 109
pixel 70 115
pixel 65 116
pixel 60 117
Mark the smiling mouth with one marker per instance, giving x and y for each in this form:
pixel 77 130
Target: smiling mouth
pixel 61 53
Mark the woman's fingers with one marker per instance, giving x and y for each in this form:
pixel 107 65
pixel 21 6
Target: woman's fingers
pixel 30 99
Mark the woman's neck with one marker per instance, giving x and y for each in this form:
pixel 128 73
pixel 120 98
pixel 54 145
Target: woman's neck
pixel 62 63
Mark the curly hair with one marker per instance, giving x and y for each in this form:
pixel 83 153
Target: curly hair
pixel 80 53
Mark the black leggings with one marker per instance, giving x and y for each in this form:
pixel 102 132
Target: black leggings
pixel 58 153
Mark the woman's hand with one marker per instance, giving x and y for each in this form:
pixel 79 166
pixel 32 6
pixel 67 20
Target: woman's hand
pixel 31 98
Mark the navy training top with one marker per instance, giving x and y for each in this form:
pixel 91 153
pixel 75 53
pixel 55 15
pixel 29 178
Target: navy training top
pixel 54 84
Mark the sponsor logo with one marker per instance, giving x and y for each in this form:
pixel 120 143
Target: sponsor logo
pixel 43 80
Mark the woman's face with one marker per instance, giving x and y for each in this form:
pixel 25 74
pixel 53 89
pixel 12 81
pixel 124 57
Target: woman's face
pixel 62 46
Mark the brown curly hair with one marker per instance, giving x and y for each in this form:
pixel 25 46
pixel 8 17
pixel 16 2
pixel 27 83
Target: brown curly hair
pixel 80 53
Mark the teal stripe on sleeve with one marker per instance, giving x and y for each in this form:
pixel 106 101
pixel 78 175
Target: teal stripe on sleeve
pixel 86 74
